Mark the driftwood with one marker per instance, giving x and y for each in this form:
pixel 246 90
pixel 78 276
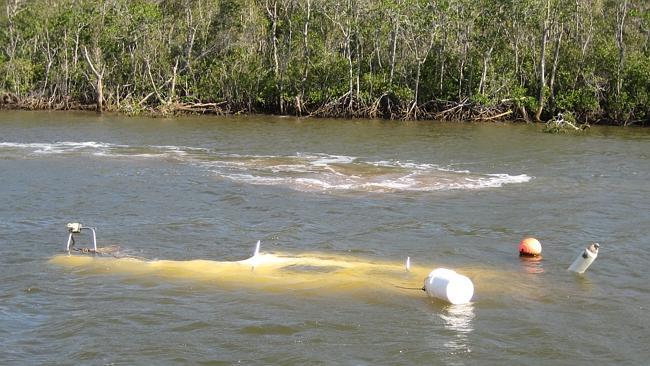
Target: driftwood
pixel 200 108
pixel 174 108
pixel 508 112
pixel 464 111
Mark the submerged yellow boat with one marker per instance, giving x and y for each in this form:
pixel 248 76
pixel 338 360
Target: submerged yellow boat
pixel 278 271
pixel 309 271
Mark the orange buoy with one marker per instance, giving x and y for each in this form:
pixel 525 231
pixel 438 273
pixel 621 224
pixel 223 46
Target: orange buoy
pixel 530 247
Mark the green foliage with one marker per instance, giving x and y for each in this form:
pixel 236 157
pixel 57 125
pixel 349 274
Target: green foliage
pixel 20 75
pixel 637 86
pixel 581 100
pixel 153 53
pixel 480 99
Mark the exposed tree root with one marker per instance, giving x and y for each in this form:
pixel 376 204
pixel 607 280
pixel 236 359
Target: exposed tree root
pixel 386 106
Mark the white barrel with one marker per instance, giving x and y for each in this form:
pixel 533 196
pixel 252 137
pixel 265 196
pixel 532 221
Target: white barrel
pixel 449 286
pixel 584 259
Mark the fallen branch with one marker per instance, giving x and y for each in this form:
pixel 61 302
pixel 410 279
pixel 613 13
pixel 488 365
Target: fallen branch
pixel 494 117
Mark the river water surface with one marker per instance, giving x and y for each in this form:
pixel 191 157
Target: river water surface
pixel 359 196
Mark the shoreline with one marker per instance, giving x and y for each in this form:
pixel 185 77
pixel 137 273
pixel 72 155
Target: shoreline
pixel 463 112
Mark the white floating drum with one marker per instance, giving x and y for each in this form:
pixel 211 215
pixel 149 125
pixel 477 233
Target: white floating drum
pixel 447 285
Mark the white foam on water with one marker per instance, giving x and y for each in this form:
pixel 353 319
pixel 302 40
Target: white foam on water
pixel 253 179
pixel 62 147
pixel 303 171
pixel 322 160
pixel 407 165
pixel 296 168
pixel 387 186
pixel 100 149
pixel 182 150
pixel 308 183
pixel 494 181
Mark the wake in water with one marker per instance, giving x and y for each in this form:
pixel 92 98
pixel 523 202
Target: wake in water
pixel 323 172
pixel 302 171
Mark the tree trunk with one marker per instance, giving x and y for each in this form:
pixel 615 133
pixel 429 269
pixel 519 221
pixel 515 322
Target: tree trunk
pixel 463 60
pixel 393 48
pixel 98 70
pixel 50 60
pixel 486 62
pixel 172 91
pixel 556 59
pixel 621 13
pixel 441 59
pixel 305 55
pixel 348 48
pixel 12 10
pixel 100 95
pixel 190 45
pixel 586 33
pixel 414 107
pixel 359 52
pixel 273 17
pixel 542 64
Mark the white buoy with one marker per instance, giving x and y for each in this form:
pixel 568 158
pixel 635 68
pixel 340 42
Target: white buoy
pixel 585 259
pixel 449 286
pixel 408 264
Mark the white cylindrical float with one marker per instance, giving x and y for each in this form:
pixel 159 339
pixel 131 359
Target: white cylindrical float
pixel 585 259
pixel 449 286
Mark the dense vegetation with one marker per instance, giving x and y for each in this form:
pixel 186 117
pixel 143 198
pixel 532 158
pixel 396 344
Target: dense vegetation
pixel 467 59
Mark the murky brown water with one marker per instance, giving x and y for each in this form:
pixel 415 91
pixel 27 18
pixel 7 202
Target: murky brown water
pixel 363 192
